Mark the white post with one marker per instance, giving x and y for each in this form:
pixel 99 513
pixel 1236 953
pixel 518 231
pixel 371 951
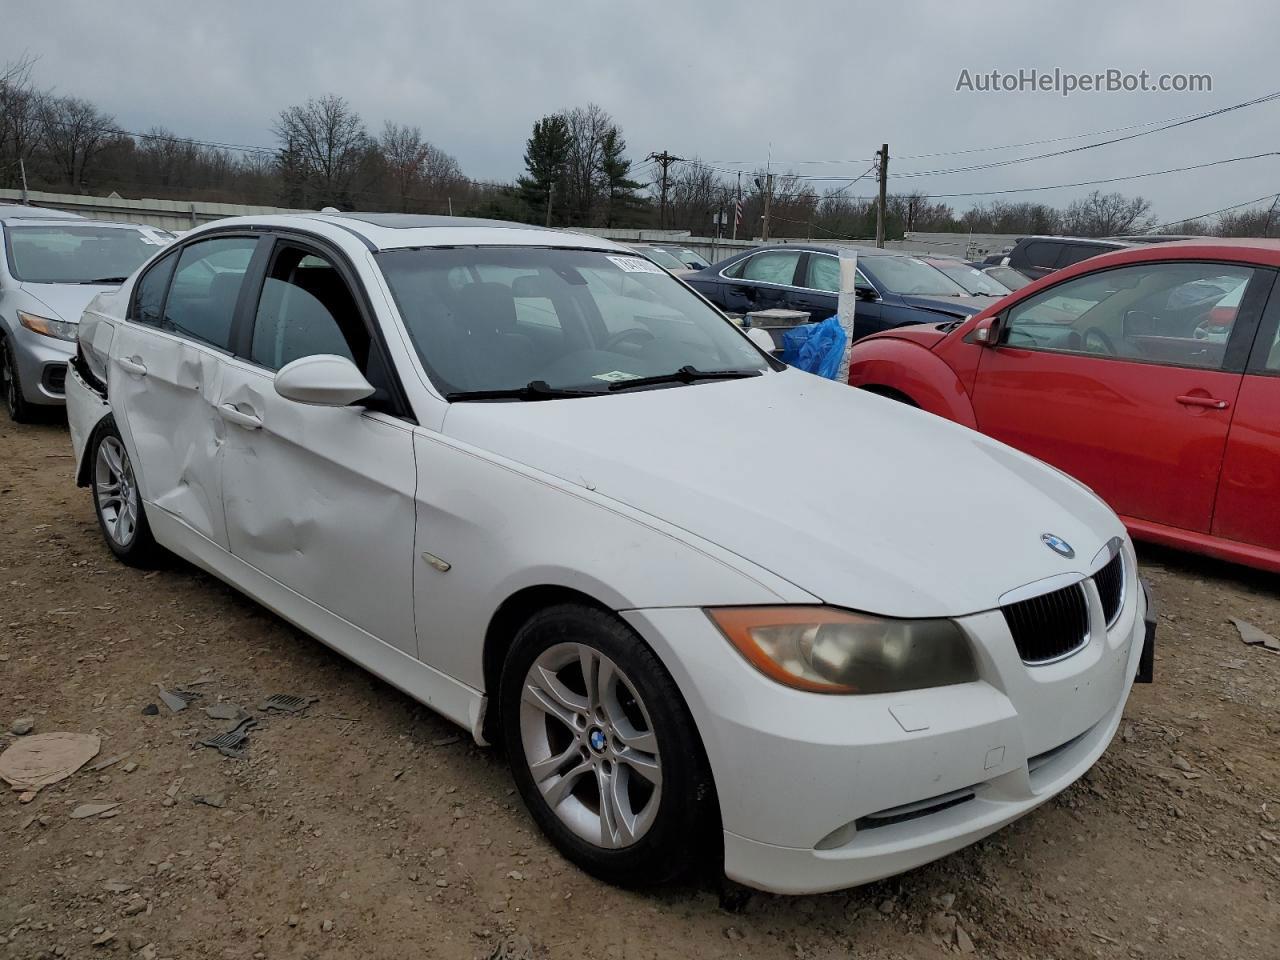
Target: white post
pixel 847 305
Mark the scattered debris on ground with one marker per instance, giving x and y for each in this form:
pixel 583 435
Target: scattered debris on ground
pixel 1169 848
pixel 1255 637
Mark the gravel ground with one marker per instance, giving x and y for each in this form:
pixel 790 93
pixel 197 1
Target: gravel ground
pixel 369 827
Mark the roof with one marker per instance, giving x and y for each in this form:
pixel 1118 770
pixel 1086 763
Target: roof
pixel 396 231
pixel 418 221
pixel 19 211
pixel 1106 241
pixel 1258 251
pixel 835 247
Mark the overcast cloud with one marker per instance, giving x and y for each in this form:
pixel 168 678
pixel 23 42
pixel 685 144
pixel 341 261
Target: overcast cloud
pixel 716 80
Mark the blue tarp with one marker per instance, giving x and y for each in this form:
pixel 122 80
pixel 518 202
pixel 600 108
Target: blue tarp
pixel 816 347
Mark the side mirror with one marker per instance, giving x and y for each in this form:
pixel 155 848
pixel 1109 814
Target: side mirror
pixel 323 380
pixel 865 293
pixel 987 332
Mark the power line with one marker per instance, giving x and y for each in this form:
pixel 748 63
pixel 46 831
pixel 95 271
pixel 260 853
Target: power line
pixel 1091 183
pixel 1165 124
pixel 1213 213
pixel 1102 143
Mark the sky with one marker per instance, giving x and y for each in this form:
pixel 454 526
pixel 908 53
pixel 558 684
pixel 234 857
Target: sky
pixel 736 84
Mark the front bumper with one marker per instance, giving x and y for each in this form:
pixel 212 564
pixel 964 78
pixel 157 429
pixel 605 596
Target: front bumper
pixel 820 792
pixel 42 366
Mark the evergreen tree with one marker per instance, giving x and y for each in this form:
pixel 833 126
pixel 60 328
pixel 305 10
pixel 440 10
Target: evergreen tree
pixel 545 155
pixel 623 204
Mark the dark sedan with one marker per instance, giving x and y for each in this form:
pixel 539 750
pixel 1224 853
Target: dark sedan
pixel 893 289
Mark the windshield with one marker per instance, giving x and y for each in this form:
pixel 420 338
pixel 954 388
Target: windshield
pixel 1008 276
pixel 63 253
pixel 662 258
pixel 907 275
pixel 501 318
pixel 691 259
pixel 973 280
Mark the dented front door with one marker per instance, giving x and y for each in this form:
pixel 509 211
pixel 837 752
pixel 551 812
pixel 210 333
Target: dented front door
pixel 320 499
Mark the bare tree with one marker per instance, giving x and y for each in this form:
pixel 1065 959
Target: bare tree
pixel 418 170
pixel 73 132
pixel 20 109
pixel 1107 215
pixel 323 145
pixel 585 181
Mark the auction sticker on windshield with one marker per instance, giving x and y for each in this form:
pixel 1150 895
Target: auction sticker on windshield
pixel 636 265
pixel 614 376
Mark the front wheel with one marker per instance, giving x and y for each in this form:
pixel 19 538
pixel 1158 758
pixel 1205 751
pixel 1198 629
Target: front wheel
pixel 117 501
pixel 16 405
pixel 603 749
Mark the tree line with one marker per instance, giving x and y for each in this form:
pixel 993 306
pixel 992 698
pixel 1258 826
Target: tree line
pixel 577 173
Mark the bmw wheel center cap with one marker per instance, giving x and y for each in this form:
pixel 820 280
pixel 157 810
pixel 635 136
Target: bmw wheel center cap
pixel 597 739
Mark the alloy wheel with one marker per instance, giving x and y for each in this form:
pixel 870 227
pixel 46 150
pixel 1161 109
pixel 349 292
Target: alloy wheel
pixel 590 746
pixel 10 381
pixel 117 493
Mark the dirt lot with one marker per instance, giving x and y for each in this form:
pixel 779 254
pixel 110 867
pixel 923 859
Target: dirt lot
pixel 369 827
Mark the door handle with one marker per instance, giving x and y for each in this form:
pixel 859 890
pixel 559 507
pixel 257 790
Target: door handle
pixel 1209 402
pixel 133 365
pixel 247 420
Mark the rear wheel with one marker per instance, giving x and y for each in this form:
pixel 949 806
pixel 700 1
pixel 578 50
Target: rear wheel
pixel 117 501
pixel 603 749
pixel 16 405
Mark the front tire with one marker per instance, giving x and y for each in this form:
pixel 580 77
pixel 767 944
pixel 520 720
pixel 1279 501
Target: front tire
pixel 116 499
pixel 20 410
pixel 603 749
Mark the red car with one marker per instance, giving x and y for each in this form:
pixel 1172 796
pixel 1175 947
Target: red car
pixel 1151 374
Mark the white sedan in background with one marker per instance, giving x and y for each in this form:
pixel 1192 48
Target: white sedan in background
pixel 707 602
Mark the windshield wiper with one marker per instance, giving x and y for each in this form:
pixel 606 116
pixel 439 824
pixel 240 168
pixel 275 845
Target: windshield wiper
pixel 103 280
pixel 533 390
pixel 686 374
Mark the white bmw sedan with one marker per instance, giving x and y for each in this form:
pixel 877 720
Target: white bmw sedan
pixel 703 600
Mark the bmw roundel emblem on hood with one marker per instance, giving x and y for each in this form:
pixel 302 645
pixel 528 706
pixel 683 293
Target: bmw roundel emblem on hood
pixel 1057 545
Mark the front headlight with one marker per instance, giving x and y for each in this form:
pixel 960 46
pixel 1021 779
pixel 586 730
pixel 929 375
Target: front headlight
pixel 825 650
pixel 58 329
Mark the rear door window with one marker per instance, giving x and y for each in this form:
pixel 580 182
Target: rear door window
pixel 1075 252
pixel 206 285
pixel 774 266
pixel 1043 253
pixel 148 299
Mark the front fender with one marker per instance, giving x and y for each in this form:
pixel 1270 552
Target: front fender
pixel 86 408
pixel 915 372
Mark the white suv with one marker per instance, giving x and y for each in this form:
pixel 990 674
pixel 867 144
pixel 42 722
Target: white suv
pixel 543 487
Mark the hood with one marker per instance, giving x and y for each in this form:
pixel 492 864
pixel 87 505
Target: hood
pixel 951 306
pixel 861 501
pixel 65 301
pixel 928 335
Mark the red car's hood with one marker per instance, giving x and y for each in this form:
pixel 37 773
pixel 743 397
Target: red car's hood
pixel 928 335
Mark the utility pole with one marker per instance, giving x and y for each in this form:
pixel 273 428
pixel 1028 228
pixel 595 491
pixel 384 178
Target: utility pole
pixel 664 160
pixel 882 163
pixel 767 186
pixel 1266 228
pixel 737 206
pixel 22 168
pixel 551 190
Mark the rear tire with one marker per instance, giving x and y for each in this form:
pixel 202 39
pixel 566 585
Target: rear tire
pixel 20 410
pixel 116 500
pixel 603 749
